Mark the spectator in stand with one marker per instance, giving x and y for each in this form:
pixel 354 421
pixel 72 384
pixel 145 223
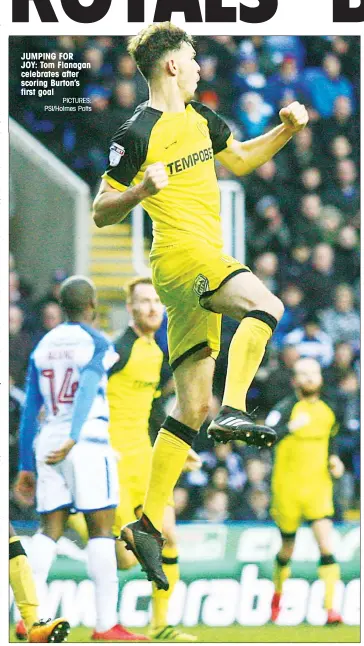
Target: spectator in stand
pixel 340 148
pixel 51 316
pixel 344 193
pixel 321 281
pixel 256 46
pixel 311 341
pixel 99 123
pixel 268 230
pixel 311 180
pixel 307 225
pixel 342 365
pixel 224 456
pixel 126 70
pixel 342 322
pixel 215 508
pixel 253 114
pixel 341 123
pixel 99 70
pixel 268 180
pixel 210 80
pixel 20 346
pixel 256 472
pixel 16 294
pixel 348 254
pixel 124 100
pixel 16 402
pixel 324 85
pixel 254 506
pixel 285 86
pixel 296 268
pixel 220 482
pixel 294 313
pixel 247 77
pixel 330 221
pixel 182 507
pixel 304 152
pixel 349 437
pixel 281 46
pixel 53 293
pixel 280 379
pixel 266 267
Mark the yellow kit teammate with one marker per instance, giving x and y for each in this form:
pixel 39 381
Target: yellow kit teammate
pixel 302 489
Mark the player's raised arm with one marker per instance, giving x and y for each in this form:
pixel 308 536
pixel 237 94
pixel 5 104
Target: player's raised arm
pixel 242 158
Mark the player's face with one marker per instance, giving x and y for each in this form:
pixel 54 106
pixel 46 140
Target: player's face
pixel 307 376
pixel 146 308
pixel 187 71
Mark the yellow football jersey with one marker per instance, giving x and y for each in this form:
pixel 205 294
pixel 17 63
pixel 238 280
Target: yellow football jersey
pixel 301 456
pixel 185 142
pixel 132 386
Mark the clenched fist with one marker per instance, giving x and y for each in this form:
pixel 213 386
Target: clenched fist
pixel 294 116
pixel 155 178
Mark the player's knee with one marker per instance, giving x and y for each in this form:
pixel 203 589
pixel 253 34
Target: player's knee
pixel 185 421
pixel 195 418
pixel 272 305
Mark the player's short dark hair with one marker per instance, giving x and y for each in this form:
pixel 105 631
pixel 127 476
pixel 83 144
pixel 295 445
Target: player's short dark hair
pixel 153 42
pixel 76 295
pixel 130 287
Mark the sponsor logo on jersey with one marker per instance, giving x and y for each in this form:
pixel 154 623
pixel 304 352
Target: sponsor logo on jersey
pixel 201 285
pixel 116 153
pixel 179 165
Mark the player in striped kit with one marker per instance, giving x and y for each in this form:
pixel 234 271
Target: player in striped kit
pixel 75 464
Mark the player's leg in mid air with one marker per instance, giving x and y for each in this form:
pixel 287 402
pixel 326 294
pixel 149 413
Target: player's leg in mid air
pixel 160 630
pixel 193 336
pixel 23 586
pixel 246 299
pixel 281 571
pixel 193 378
pixel 328 569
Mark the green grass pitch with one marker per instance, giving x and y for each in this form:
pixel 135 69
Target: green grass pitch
pixel 242 634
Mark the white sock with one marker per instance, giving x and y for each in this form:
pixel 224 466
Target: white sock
pixel 102 569
pixel 41 556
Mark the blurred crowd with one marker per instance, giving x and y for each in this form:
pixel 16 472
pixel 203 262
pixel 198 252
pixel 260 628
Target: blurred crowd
pixel 302 225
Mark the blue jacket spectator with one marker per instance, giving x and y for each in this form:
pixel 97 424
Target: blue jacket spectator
pixel 247 77
pixel 324 85
pixel 312 342
pixel 253 113
pixel 281 46
pixel 286 86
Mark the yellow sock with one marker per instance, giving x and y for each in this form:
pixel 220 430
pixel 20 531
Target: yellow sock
pixel 22 583
pixel 169 456
pixel 245 355
pixel 280 574
pixel 160 598
pixel 329 574
pixel 78 523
